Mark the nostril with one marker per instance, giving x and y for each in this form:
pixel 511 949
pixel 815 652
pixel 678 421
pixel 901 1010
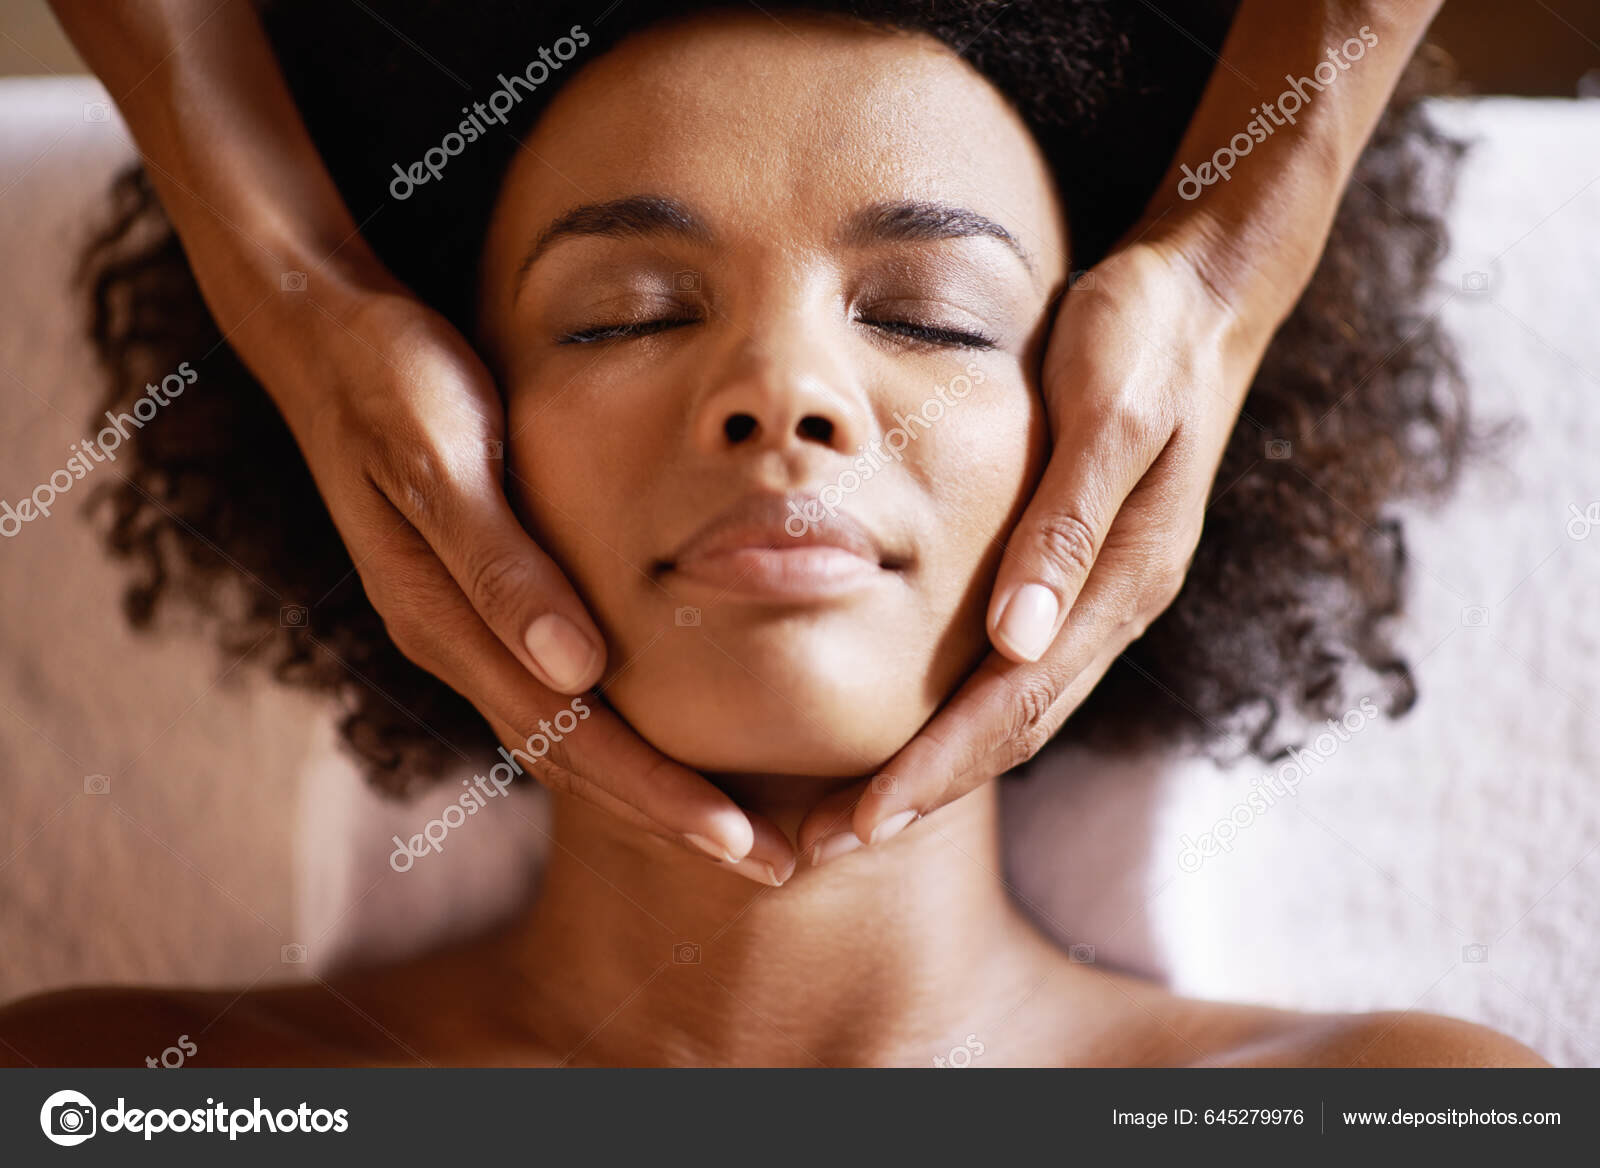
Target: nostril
pixel 815 428
pixel 738 427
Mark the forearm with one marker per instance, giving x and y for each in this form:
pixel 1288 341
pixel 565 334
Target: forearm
pixel 1255 235
pixel 223 143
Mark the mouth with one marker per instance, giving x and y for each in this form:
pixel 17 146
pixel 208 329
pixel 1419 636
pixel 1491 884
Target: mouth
pixel 782 548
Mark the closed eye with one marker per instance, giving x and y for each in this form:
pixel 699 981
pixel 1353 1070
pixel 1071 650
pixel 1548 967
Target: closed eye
pixel 625 331
pixel 928 334
pixel 904 329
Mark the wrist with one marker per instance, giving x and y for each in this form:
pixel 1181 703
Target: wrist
pixel 1251 270
pixel 275 293
pixel 249 239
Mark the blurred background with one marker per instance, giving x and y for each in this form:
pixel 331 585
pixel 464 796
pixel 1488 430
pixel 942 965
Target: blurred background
pixel 1537 48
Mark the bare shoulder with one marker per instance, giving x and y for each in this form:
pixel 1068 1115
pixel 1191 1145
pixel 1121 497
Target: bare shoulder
pixel 412 1013
pixel 97 1026
pixel 1282 1038
pixel 125 1026
pixel 1408 1039
pixel 1167 1029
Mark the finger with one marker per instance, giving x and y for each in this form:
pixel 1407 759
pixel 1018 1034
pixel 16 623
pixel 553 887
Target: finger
pixel 431 623
pixel 770 860
pixel 516 589
pixel 825 833
pixel 1100 455
pixel 1006 712
pixel 603 761
pixel 998 720
pixel 772 857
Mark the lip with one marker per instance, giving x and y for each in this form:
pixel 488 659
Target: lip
pixel 753 551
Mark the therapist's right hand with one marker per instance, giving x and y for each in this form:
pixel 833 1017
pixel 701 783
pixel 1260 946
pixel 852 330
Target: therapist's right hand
pixel 394 413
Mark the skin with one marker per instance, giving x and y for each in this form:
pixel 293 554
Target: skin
pixel 394 411
pixel 635 952
pixel 620 448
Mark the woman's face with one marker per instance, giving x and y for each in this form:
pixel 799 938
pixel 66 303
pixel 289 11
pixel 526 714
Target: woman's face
pixel 766 299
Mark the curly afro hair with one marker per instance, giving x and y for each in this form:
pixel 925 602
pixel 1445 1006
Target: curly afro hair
pixel 1301 563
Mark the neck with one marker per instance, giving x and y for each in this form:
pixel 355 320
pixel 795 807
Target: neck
pixel 637 953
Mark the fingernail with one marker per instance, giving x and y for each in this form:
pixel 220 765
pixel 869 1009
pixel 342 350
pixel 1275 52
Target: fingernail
pixel 1028 620
pixel 763 871
pixel 566 655
pixel 710 847
pixel 892 826
pixel 834 845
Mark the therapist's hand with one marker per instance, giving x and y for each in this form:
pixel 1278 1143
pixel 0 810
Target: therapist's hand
pixel 395 415
pixel 1143 378
pixel 1144 375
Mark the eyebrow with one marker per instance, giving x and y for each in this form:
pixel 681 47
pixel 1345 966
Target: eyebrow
pixel 912 221
pixel 901 221
pixel 634 216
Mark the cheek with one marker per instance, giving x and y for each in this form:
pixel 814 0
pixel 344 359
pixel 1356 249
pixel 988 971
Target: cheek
pixel 547 476
pixel 573 469
pixel 980 471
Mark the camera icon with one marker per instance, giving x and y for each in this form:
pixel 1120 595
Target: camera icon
pixel 97 784
pixel 1081 281
pixel 686 281
pixel 293 616
pixel 1475 616
pixel 686 953
pixel 687 618
pixel 292 955
pixel 96 111
pixel 292 281
pixel 494 448
pixel 1582 522
pixel 1279 449
pixel 884 785
pixel 70 1121
pixel 1475 954
pixel 1475 282
pixel 1081 954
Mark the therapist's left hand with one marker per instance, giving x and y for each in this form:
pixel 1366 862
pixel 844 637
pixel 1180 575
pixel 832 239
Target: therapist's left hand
pixel 1143 377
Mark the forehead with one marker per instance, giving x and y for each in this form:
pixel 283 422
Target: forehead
pixel 799 119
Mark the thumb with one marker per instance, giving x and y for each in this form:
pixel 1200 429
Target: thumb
pixel 1096 463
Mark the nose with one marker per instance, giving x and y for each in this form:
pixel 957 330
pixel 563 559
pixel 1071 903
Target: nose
pixel 784 395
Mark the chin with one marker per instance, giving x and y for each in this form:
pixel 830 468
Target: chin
pixel 786 753
pixel 725 716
